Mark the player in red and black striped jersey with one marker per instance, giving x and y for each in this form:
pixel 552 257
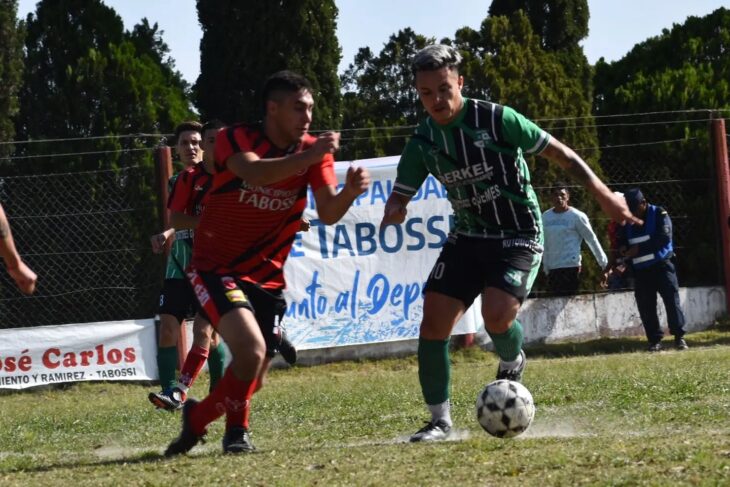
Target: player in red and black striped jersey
pixel 246 231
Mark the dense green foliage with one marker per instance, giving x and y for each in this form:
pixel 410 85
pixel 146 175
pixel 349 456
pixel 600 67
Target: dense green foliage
pixel 85 76
pixel 86 81
pixel 684 68
pixel 11 70
pixel 245 42
pixel 380 103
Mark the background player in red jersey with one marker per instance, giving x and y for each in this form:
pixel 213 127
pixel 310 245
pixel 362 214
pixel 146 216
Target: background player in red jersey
pixel 177 300
pixel 245 234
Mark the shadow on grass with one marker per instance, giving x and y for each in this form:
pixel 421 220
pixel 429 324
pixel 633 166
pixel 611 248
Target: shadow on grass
pixel 715 336
pixel 718 335
pixel 132 459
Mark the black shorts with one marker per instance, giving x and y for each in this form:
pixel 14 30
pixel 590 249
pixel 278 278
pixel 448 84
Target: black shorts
pixel 218 294
pixel 177 299
pixel 468 265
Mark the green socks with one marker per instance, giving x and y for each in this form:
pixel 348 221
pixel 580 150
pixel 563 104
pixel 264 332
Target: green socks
pixel 508 344
pixel 216 357
pixel 166 365
pixel 434 370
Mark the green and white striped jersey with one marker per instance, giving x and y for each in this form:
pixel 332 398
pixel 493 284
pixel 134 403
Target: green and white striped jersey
pixel 478 157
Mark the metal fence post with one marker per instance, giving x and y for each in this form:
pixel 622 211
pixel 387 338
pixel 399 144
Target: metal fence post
pixel 723 196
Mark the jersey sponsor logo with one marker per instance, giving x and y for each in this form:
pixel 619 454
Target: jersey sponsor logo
pixel 487 196
pixel 468 174
pixel 483 138
pixel 514 277
pixel 267 198
pixel 236 296
pixel 199 288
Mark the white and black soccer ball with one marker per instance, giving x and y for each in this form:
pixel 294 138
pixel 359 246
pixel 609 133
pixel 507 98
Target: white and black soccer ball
pixel 505 408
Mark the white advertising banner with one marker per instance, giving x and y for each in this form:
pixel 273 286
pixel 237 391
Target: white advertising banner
pixel 353 282
pixel 113 350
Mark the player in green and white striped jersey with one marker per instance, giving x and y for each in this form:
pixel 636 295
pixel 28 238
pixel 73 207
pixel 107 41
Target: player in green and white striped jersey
pixel 475 148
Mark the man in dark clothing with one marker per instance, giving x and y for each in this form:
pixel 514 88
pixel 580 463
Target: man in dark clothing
pixel 648 249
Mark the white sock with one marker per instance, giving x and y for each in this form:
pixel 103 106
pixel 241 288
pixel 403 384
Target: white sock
pixel 512 364
pixel 441 412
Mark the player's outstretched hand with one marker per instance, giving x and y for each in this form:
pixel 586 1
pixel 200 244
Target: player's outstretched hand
pixel 304 225
pixel 616 208
pixel 24 278
pixel 357 181
pixel 395 213
pixel 326 143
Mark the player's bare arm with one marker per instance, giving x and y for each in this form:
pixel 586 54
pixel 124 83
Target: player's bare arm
pixel 611 204
pixel 260 172
pixel 23 276
pixel 178 221
pixel 331 206
pixel 395 209
pixel 181 221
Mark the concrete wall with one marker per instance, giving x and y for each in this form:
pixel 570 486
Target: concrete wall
pixel 548 320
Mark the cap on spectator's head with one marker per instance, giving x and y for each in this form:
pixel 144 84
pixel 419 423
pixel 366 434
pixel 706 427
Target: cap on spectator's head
pixel 634 197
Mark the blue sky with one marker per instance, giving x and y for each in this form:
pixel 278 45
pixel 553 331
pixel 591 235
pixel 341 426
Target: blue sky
pixel 615 25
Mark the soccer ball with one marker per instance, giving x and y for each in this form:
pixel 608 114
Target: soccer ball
pixel 505 408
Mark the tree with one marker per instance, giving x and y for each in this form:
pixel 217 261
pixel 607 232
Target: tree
pixel 683 69
pixel 560 24
pixel 379 98
pixel 85 76
pixel 87 79
pixel 11 70
pixel 245 42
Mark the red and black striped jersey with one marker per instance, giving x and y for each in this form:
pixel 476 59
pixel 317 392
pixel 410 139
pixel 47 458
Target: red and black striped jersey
pixel 190 188
pixel 248 230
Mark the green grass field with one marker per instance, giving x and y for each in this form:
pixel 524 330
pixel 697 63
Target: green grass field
pixel 607 414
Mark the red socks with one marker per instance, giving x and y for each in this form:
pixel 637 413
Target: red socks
pixel 193 365
pixel 231 396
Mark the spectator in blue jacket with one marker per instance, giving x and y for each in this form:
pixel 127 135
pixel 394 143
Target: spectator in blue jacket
pixel 565 230
pixel 649 250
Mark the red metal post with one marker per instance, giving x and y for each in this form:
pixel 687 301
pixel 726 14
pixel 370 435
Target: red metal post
pixel 719 136
pixel 163 163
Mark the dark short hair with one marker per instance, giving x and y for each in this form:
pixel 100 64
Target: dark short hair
pixel 284 82
pixel 189 126
pixel 434 57
pixel 560 185
pixel 214 124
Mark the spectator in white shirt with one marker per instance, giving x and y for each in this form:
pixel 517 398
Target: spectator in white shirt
pixel 565 229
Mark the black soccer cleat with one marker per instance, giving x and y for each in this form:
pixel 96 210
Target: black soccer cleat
pixel 654 347
pixel 433 431
pixel 513 374
pixel 680 344
pixel 170 400
pixel 237 440
pixel 187 439
pixel 287 350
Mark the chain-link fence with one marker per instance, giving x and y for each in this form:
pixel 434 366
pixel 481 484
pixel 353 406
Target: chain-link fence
pixel 86 235
pixel 672 163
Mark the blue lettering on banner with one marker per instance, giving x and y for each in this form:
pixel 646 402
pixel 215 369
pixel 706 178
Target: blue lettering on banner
pixel 366 238
pixel 380 292
pixel 379 191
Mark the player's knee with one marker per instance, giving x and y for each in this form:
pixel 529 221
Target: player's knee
pixel 498 320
